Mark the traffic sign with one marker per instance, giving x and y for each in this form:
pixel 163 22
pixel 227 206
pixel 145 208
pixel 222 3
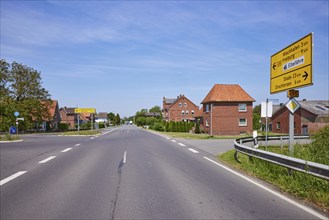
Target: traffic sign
pixel 12 130
pixel 293 93
pixel 85 110
pixel 292 105
pixel 16 114
pixel 292 66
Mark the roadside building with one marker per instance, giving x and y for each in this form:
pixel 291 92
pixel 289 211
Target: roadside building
pixel 227 110
pixel 52 119
pixel 309 118
pixel 101 117
pixel 68 117
pixel 179 109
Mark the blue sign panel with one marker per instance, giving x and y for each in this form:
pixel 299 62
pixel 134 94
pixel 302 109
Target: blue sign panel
pixel 16 114
pixel 12 130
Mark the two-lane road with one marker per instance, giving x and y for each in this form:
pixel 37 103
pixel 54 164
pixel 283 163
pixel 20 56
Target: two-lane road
pixel 129 174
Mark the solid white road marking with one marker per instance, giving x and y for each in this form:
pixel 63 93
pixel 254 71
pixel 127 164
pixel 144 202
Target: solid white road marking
pixel 183 145
pixel 194 151
pixel 46 160
pixel 77 145
pixel 173 140
pixel 66 150
pixel 10 178
pixel 311 211
pixel 124 157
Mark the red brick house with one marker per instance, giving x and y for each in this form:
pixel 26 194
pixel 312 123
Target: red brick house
pixel 52 119
pixel 309 118
pixel 227 110
pixel 180 109
pixel 68 117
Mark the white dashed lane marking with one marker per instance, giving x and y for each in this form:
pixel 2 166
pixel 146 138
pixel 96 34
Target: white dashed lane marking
pixel 173 141
pixel 10 178
pixel 47 159
pixel 194 151
pixel 183 145
pixel 77 145
pixel 66 150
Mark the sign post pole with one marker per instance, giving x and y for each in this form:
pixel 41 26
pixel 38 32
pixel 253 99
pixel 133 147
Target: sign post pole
pixel 78 122
pixel 291 133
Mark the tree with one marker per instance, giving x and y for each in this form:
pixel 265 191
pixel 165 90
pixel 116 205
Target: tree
pixel 21 91
pixel 111 117
pixel 155 109
pixel 256 117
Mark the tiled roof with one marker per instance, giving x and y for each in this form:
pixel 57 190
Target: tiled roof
pixel 227 93
pixel 317 107
pixel 170 101
pixel 68 110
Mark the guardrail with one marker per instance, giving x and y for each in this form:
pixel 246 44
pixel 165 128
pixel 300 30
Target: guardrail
pixel 315 169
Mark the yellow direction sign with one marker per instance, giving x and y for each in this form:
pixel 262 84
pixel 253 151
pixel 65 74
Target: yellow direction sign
pixel 292 66
pixel 85 110
pixel 292 105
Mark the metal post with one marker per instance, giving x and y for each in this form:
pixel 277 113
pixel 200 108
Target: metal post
pixel 211 118
pixel 266 124
pixel 91 117
pixel 78 122
pixel 291 133
pixel 17 126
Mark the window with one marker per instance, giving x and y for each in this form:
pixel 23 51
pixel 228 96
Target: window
pixel 180 104
pixel 207 123
pixel 182 112
pixel 187 112
pixel 278 125
pixel 192 112
pixel 207 108
pixel 242 107
pixel 242 122
pixel 185 104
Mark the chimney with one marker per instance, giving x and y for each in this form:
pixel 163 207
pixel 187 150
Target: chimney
pixel 304 100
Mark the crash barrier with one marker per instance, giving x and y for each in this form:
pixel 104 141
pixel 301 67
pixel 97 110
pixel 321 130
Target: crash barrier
pixel 315 169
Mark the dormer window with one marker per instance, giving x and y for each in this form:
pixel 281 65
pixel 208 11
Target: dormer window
pixel 180 104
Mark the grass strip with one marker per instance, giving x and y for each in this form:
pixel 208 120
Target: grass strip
pixel 89 132
pixel 301 185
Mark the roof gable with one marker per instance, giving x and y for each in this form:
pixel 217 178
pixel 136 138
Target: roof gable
pixel 179 98
pixel 227 93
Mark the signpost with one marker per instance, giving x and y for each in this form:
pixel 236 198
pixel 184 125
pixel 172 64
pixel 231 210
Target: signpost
pixel 85 110
pixel 292 67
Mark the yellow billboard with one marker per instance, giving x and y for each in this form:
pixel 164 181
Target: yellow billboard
pixel 85 110
pixel 292 67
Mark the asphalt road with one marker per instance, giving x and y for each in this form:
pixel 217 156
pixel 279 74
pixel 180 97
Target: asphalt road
pixel 129 174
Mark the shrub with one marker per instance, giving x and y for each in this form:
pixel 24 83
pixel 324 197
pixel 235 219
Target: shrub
pixel 320 146
pixel 101 125
pixel 63 127
pixel 158 126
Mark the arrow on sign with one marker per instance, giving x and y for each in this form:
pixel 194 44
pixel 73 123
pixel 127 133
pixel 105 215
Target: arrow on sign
pixel 305 75
pixel 274 65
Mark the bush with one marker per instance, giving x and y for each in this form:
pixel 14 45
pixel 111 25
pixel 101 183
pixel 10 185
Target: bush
pixel 158 126
pixel 320 146
pixel 101 125
pixel 63 127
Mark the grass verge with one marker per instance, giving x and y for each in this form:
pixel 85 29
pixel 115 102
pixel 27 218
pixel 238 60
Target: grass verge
pixel 201 136
pixel 8 137
pixel 301 185
pixel 88 132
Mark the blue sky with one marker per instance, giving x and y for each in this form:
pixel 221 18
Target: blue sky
pixel 122 56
